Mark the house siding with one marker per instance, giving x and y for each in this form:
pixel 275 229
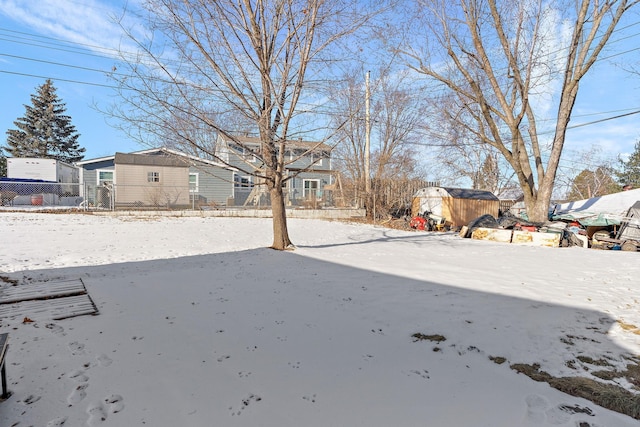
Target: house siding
pixel 320 170
pixel 215 184
pixel 90 171
pixel 172 189
pixel 215 181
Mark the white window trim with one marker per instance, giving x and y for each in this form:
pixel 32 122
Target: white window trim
pixel 153 175
pixel 305 189
pixel 236 182
pixel 105 170
pixel 196 188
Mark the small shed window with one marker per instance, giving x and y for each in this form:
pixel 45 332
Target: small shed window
pixel 153 176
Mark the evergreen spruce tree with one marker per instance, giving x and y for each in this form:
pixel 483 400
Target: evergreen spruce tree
pixel 45 131
pixel 630 169
pixel 3 165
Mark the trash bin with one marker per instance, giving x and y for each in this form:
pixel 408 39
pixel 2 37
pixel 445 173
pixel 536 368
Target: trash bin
pixel 37 199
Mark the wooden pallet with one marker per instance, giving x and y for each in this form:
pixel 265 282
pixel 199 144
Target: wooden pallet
pixel 42 290
pixel 51 300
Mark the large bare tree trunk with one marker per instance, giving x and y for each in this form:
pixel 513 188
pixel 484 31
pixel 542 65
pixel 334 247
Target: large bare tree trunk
pixel 280 232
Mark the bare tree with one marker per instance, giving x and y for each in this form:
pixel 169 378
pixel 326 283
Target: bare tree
pixel 396 120
pixel 593 183
pixel 498 58
pixel 586 173
pixel 206 65
pixel 461 156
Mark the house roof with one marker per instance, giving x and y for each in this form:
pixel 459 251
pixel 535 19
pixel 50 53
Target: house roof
pixel 165 150
pixel 293 143
pixel 510 193
pixel 142 159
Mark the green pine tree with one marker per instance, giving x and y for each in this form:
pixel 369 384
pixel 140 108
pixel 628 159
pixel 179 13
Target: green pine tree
pixel 45 131
pixel 629 173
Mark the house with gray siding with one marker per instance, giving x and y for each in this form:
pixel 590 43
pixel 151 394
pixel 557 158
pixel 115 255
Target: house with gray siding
pixel 158 177
pixel 307 163
pixel 161 176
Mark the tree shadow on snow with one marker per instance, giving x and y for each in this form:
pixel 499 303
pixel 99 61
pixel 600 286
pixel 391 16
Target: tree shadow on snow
pixel 337 304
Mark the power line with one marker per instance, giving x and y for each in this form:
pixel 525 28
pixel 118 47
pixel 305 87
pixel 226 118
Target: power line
pixel 58 79
pixel 78 67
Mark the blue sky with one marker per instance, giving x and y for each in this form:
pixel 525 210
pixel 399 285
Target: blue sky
pixel 37 36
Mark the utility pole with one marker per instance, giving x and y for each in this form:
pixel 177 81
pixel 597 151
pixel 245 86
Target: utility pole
pixel 367 139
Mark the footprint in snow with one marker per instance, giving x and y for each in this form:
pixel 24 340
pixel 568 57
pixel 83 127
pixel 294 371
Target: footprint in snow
pixel 115 403
pixel 104 360
pixel 58 422
pixel 56 329
pixel 311 398
pixel 540 412
pixel 76 348
pixel 536 405
pixel 78 394
pixel 97 414
pixel 245 404
pixel 78 375
pixel 31 399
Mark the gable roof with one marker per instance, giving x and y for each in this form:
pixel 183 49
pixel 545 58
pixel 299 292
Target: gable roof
pixel 188 159
pixel 293 143
pixel 510 193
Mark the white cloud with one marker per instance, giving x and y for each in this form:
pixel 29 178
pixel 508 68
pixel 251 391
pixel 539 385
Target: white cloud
pixel 90 22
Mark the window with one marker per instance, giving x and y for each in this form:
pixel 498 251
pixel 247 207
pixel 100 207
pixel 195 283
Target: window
pixel 245 153
pixel 105 176
pixel 242 181
pixel 310 189
pixel 193 182
pixel 153 176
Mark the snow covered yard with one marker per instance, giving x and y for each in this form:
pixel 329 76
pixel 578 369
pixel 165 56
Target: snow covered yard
pixel 201 325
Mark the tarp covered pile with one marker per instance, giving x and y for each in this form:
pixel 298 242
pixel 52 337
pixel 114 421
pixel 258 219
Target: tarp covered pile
pixel 606 210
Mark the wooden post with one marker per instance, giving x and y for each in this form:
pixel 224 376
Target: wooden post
pixel 4 338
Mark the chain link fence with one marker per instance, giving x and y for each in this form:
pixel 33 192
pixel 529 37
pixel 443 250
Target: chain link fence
pixel 22 194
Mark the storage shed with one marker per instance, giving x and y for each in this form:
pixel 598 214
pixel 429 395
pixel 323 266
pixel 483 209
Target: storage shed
pixel 458 206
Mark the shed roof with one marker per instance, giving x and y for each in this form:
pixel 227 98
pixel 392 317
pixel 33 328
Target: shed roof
pixel 468 193
pixel 456 193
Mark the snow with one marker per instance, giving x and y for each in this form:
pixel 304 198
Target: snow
pixel 614 205
pixel 201 324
